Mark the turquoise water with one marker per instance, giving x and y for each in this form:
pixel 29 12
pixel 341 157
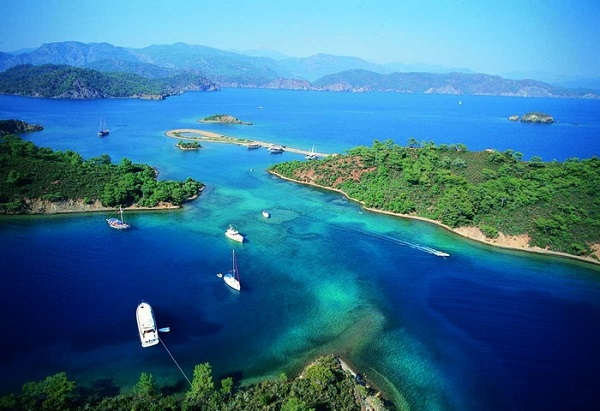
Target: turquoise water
pixel 483 329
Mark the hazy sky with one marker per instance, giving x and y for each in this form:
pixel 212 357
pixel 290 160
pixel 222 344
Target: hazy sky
pixel 490 36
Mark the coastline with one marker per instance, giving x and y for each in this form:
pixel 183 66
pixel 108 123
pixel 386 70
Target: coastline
pixel 515 243
pixel 209 136
pixel 44 207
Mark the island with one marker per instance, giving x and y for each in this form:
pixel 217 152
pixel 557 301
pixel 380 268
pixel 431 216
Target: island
pixel 185 146
pixel 494 197
pixel 225 119
pixel 38 180
pixel 327 383
pixel 533 117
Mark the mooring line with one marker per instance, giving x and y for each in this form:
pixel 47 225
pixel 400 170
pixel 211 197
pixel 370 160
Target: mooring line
pixel 175 361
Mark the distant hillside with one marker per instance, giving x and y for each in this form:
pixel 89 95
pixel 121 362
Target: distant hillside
pixel 63 81
pixel 451 83
pixel 319 72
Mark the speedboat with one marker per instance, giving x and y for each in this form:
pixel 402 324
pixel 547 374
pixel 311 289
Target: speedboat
pixel 146 325
pixel 234 234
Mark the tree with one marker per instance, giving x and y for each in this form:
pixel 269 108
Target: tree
pixel 146 386
pixel 202 389
pixel 50 394
pixel 294 404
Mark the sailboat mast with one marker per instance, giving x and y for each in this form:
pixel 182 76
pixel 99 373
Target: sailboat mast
pixel 234 268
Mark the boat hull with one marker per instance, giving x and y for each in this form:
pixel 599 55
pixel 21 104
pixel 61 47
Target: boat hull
pixel 117 224
pixel 146 325
pixel 232 282
pixel 234 235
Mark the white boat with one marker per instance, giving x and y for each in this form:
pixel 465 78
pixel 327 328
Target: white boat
pixel 116 223
pixel 311 154
pixel 146 325
pixel 234 234
pixel 103 129
pixel 266 214
pixel 232 278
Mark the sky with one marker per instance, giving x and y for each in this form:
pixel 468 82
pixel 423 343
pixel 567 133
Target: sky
pixel 488 36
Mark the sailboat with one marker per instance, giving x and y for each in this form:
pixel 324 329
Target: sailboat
pixel 311 155
pixel 103 129
pixel 232 278
pixel 116 223
pixel 146 325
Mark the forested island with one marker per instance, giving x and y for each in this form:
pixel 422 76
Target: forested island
pixel 34 178
pixel 193 145
pixel 323 385
pixel 553 205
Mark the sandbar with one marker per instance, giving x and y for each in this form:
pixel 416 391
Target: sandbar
pixel 208 136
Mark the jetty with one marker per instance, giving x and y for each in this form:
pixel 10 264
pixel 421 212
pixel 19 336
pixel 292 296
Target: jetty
pixel 208 136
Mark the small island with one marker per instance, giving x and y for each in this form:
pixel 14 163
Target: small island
pixel 533 117
pixel 185 146
pixel 224 119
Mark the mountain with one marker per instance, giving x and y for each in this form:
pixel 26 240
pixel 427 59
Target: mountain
pixel 62 81
pixel 314 67
pixel 319 72
pixel 449 83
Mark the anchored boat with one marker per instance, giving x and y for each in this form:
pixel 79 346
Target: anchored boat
pixel 234 234
pixel 146 325
pixel 232 278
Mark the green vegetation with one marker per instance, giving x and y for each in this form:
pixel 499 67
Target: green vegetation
pixel 224 118
pixel 324 386
pixel 556 204
pixel 17 126
pixel 30 172
pixel 51 80
pixel 193 145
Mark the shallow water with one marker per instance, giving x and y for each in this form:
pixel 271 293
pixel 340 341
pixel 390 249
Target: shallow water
pixel 483 329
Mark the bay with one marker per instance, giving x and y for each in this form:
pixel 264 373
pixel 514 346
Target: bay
pixel 483 329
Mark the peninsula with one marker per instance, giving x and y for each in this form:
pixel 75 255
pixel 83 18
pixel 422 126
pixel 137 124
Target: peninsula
pixel 40 180
pixel 490 196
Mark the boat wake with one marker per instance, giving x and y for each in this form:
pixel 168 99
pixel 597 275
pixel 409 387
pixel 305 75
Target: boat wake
pixel 414 246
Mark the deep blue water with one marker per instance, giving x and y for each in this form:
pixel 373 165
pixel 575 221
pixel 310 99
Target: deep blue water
pixel 483 329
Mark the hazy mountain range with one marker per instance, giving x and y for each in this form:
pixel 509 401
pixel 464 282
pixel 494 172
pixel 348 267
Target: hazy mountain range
pixel 257 69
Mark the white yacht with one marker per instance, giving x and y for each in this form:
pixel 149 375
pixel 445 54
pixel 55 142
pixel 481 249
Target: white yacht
pixel 234 234
pixel 146 325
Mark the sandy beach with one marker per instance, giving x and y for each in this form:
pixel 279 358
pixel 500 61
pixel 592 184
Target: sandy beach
pixel 519 243
pixel 207 136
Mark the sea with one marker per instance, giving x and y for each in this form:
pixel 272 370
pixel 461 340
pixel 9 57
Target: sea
pixel 485 328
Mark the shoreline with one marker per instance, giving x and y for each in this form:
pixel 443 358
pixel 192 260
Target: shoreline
pixel 470 233
pixel 211 137
pixel 44 207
